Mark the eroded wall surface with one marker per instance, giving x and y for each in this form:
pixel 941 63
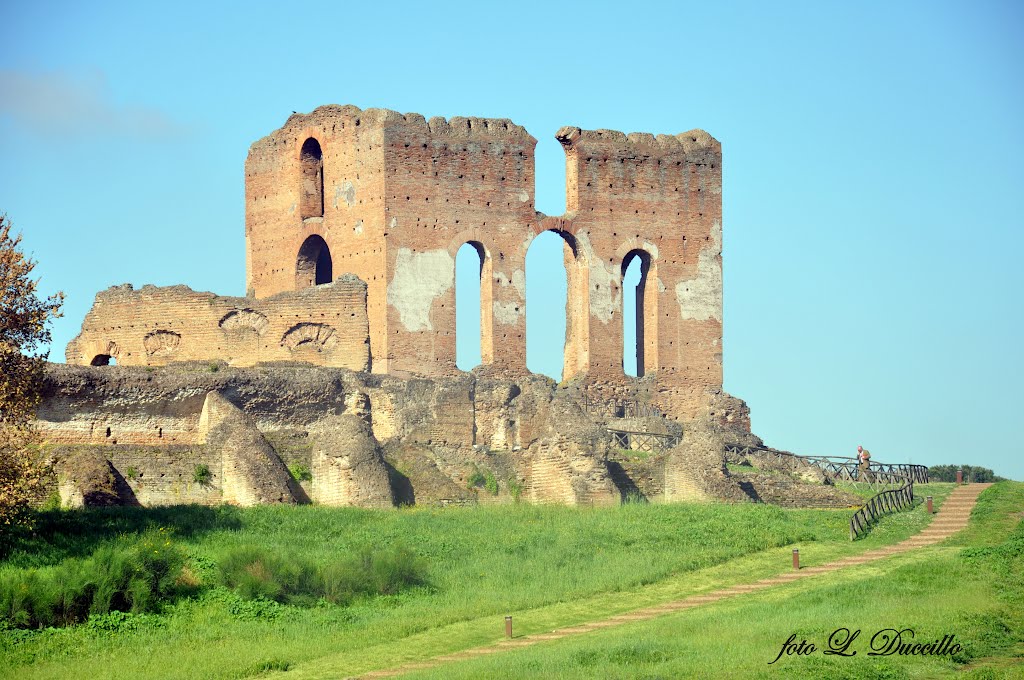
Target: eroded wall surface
pixel 155 425
pixel 323 325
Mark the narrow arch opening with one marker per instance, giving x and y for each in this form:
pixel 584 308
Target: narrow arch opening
pixel 312 178
pixel 473 302
pixel 639 315
pixel 314 266
pixel 103 360
pixel 557 308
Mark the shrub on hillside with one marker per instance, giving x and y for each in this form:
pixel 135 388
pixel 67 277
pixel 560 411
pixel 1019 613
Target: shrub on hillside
pixel 256 573
pixel 371 573
pixel 971 473
pixel 116 577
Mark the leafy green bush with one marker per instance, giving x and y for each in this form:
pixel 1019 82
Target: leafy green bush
pixel 971 473
pixel 202 474
pixel 117 577
pixel 258 574
pixel 482 478
pixel 476 479
pixel 254 573
pixel 515 488
pixel 300 473
pixel 370 573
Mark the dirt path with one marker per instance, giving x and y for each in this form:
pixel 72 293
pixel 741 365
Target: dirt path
pixel 951 518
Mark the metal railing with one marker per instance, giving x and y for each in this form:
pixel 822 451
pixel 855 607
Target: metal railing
pixel 641 441
pixel 881 504
pixel 840 468
pixel 619 408
pixel 837 468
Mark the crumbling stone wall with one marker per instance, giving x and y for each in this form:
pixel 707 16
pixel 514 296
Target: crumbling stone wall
pixel 251 471
pixel 245 423
pixel 348 467
pixel 325 325
pixel 142 475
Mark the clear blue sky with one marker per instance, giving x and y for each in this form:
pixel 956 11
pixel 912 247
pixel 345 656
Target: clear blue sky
pixel 874 170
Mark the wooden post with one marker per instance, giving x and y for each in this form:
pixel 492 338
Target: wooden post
pixel 508 627
pixel 796 558
pixel 959 476
pixel 930 511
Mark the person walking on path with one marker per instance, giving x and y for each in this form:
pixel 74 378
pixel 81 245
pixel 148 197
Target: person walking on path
pixel 863 460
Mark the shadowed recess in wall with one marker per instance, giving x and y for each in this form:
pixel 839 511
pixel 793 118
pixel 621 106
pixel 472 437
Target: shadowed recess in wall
pixel 314 266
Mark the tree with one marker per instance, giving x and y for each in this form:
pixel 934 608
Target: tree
pixel 972 473
pixel 24 331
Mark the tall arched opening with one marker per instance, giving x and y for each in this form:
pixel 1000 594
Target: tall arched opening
pixel 314 265
pixel 312 181
pixel 557 306
pixel 473 307
pixel 639 315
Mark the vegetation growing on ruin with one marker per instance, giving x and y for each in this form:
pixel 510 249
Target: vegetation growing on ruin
pixel 463 569
pixel 300 472
pixel 201 474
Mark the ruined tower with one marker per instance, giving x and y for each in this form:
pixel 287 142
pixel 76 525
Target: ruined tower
pixel 391 198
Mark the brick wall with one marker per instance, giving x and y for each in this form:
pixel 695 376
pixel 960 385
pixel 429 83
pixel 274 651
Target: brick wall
pixel 352 225
pixel 323 325
pixel 403 194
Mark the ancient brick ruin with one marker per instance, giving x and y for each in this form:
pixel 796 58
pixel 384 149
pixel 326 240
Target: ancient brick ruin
pixel 353 222
pixel 390 199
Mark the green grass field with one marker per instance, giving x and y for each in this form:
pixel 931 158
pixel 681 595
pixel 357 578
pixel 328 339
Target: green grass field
pixel 547 566
pixel 975 593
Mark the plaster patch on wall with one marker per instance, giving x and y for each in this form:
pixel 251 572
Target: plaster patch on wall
pixel 519 282
pixel 358 229
pixel 346 192
pixel 523 197
pixel 293 208
pixel 393 223
pixel 661 287
pixel 652 249
pixel 604 299
pixel 419 279
pixel 700 298
pixel 507 313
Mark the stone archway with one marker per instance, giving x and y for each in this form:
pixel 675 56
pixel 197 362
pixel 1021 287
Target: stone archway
pixel 576 348
pixel 314 266
pixel 639 328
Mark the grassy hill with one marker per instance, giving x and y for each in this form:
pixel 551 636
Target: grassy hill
pixel 547 566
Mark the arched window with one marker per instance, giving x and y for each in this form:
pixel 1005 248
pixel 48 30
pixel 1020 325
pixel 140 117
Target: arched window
pixel 314 266
pixel 103 360
pixel 639 315
pixel 473 302
pixel 557 306
pixel 312 187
